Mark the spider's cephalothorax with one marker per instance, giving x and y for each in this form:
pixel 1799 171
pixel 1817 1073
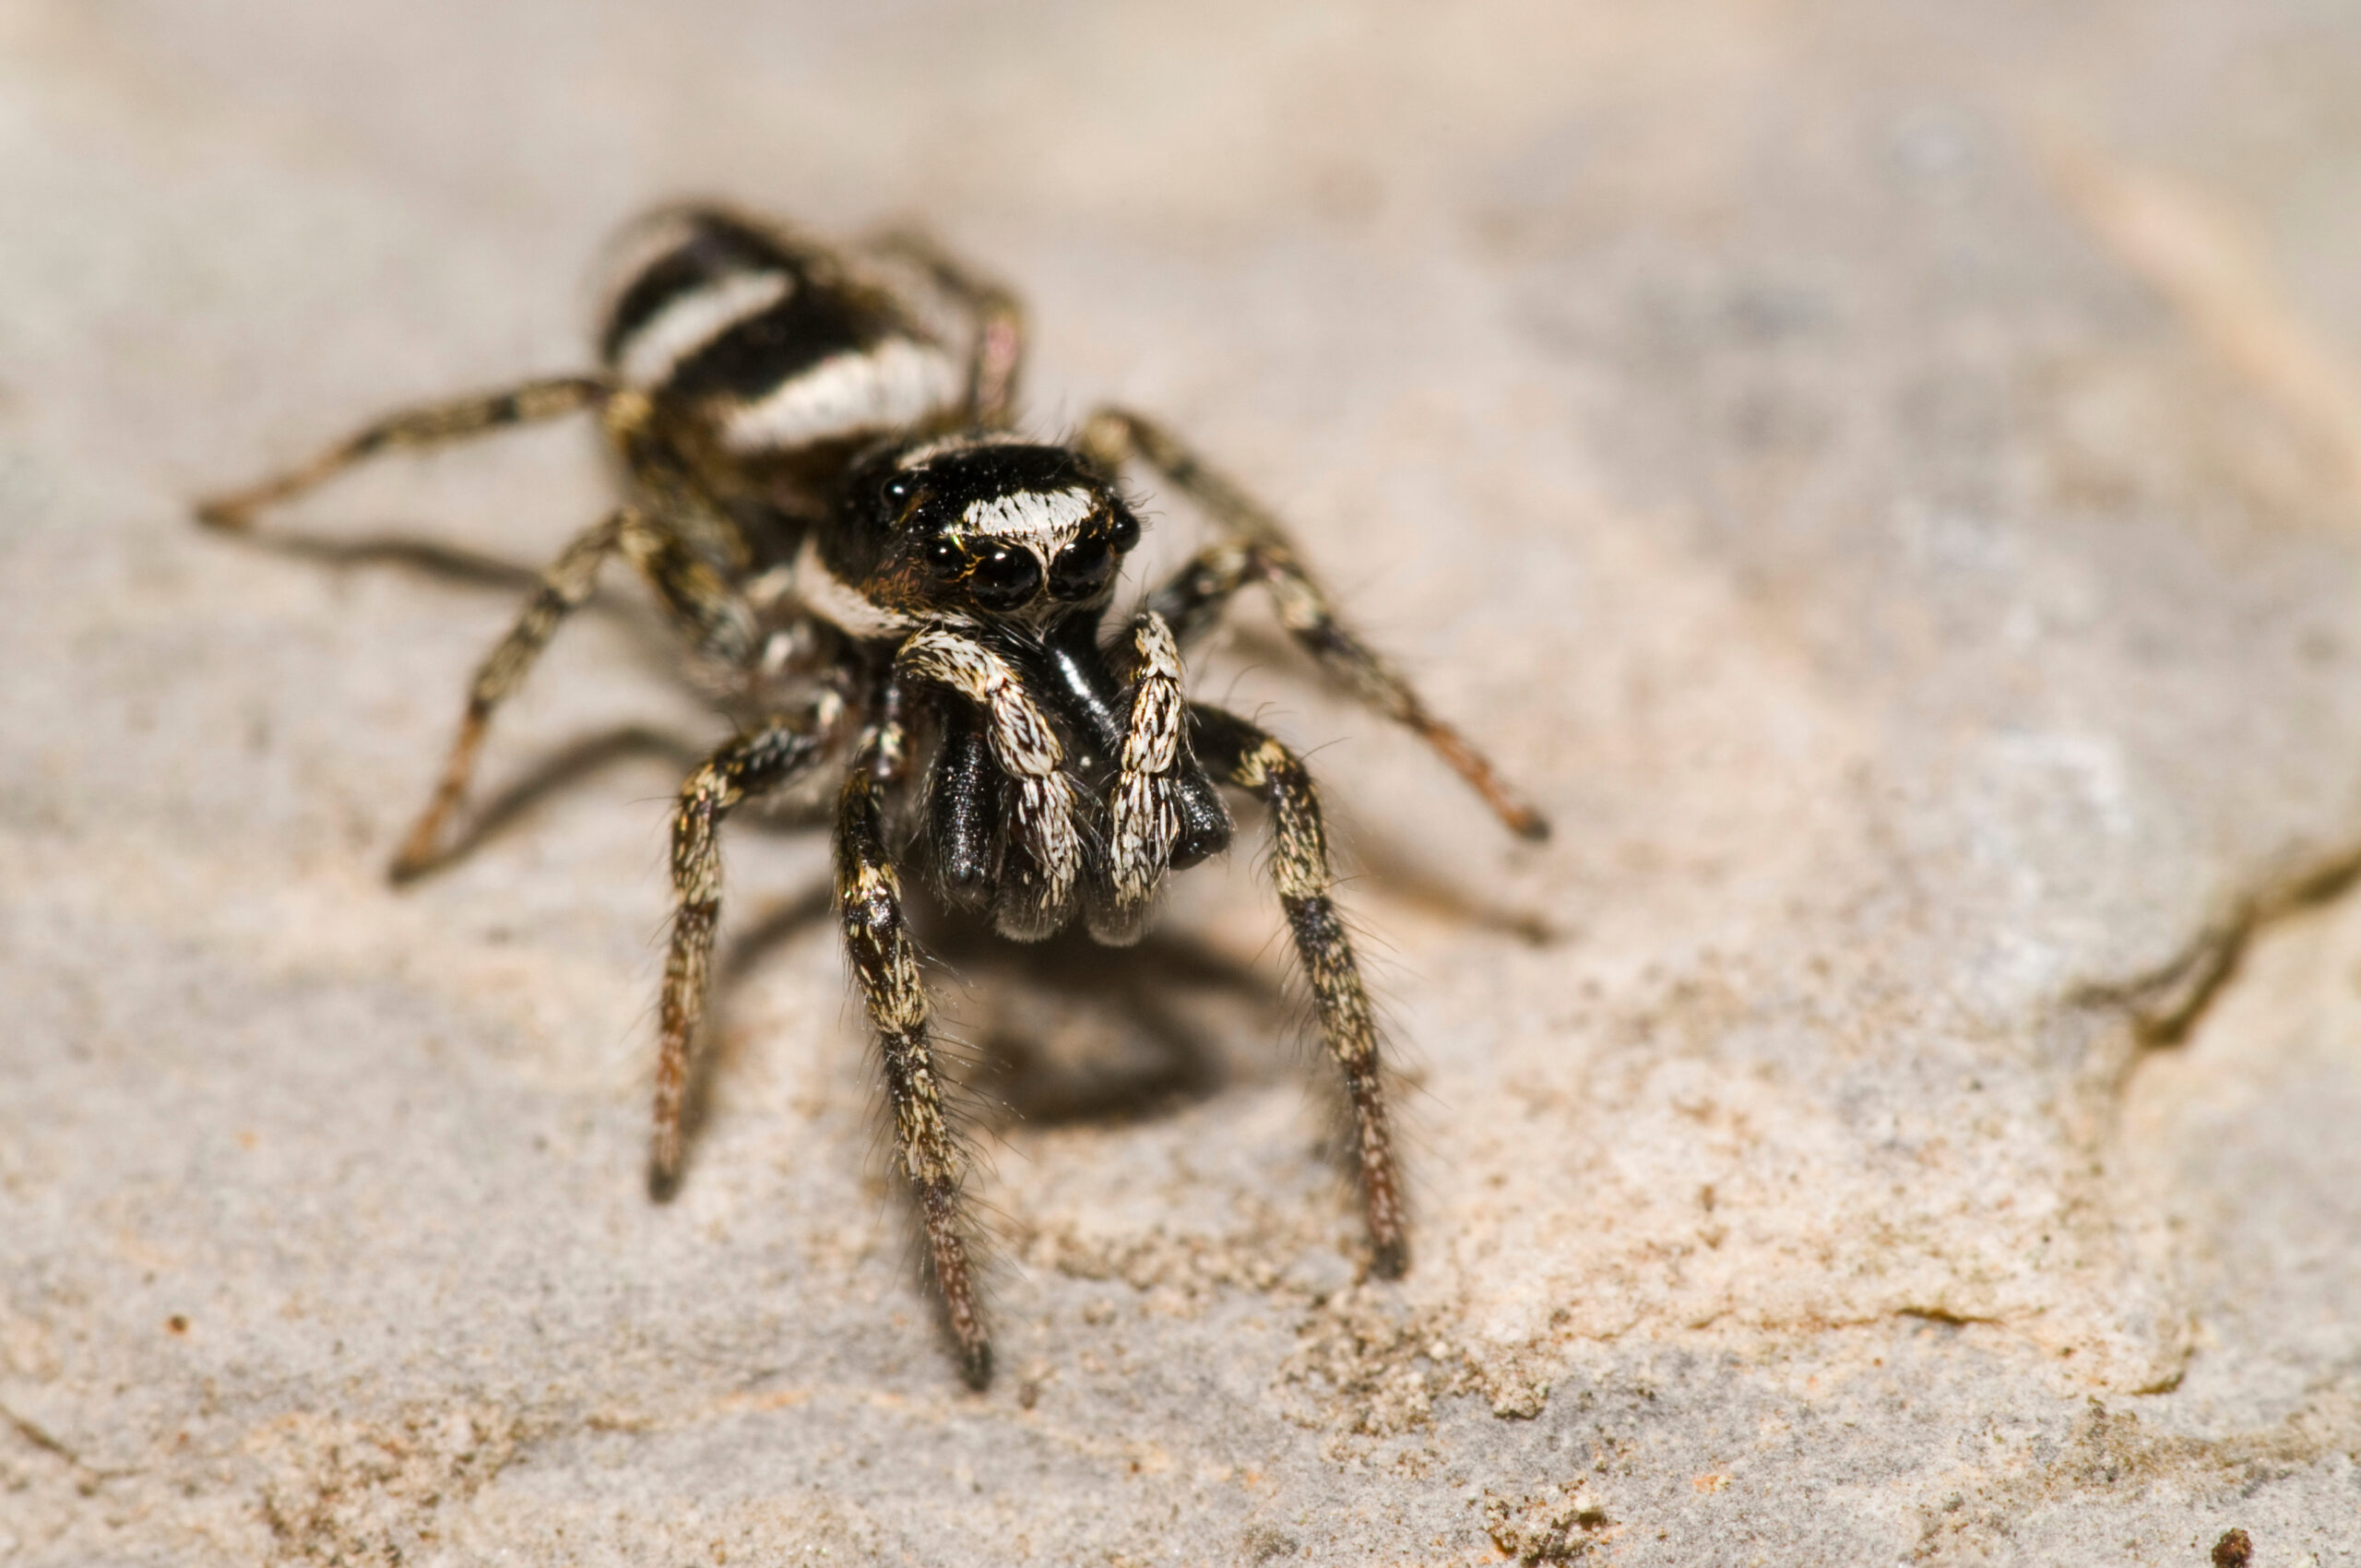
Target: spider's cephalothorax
pixel 827 499
pixel 1067 777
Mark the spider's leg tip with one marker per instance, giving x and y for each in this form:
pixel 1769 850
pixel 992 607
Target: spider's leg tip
pixel 976 1366
pixel 221 512
pixel 663 1181
pixel 1531 827
pixel 422 851
pixel 1391 1260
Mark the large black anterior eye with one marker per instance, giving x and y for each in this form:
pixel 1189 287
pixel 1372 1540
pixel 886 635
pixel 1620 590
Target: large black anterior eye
pixel 1081 569
pixel 1005 579
pixel 945 557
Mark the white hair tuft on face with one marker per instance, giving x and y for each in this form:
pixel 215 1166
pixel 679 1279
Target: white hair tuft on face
pixel 1047 518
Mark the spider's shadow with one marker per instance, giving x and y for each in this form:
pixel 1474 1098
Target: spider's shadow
pixel 554 774
pixel 444 563
pixel 1067 1030
pixel 1045 1034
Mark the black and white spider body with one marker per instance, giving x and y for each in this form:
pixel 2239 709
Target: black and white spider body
pixel 827 499
pixel 994 560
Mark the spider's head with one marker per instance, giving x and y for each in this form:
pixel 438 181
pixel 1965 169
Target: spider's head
pixel 986 530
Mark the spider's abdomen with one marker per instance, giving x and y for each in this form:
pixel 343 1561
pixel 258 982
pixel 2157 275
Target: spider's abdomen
pixel 768 362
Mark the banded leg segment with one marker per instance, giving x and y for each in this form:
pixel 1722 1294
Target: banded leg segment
pixel 753 765
pixel 1257 549
pixel 1242 755
pixel 711 614
pixel 1041 861
pixel 431 425
pixel 998 356
pixel 566 584
pixel 868 904
pixel 1143 817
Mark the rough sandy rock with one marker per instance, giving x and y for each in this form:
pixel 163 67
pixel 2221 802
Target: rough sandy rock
pixel 1887 478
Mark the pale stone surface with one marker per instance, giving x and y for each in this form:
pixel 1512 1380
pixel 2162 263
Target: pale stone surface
pixel 1886 478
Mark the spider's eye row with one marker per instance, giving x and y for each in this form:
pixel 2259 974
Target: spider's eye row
pixel 1081 569
pixel 1005 579
pixel 1125 533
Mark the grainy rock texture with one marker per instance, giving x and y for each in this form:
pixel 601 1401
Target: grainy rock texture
pixel 1887 475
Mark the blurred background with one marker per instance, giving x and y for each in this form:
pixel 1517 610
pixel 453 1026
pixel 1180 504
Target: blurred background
pixel 1885 475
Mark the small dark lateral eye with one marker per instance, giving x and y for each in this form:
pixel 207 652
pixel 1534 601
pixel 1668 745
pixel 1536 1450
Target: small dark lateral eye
pixel 944 557
pixel 898 488
pixel 1005 579
pixel 1081 569
pixel 1125 533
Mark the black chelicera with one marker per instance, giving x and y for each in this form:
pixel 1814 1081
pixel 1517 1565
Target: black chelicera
pixel 830 503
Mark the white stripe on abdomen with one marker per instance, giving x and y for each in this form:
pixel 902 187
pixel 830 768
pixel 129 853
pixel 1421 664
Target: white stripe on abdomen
pixel 690 322
pixel 896 383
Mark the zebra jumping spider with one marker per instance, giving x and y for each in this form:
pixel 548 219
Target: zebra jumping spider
pixel 829 501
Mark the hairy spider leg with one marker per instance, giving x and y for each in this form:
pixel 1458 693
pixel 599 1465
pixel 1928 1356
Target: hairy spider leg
pixel 877 942
pixel 566 583
pixel 1144 816
pixel 997 357
pixel 670 544
pixel 709 609
pixel 712 615
pixel 693 529
pixel 1258 550
pixel 756 763
pixel 1244 755
pixel 1042 861
pixel 414 429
